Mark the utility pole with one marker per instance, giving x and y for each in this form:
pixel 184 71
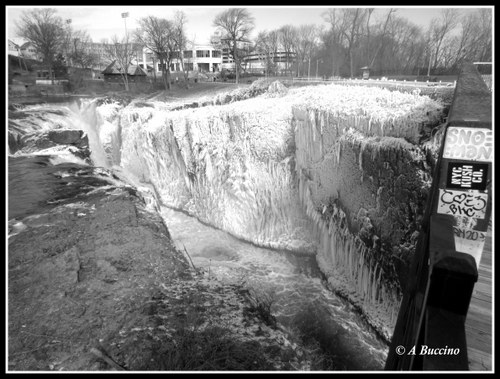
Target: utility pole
pixel 124 16
pixel 309 69
pixel 68 39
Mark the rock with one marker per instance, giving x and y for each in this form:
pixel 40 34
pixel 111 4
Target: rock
pixel 13 142
pixel 69 137
pixel 277 89
pixel 38 141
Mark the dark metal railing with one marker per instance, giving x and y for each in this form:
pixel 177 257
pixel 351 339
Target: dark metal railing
pixel 430 329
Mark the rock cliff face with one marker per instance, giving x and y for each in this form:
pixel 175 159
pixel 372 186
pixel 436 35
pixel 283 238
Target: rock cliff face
pixel 331 170
pixel 231 166
pixel 366 196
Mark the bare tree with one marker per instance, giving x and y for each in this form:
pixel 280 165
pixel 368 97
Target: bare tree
pixel 306 42
pixel 332 39
pixel 352 20
pixel 157 35
pixel 404 46
pixel 287 37
pixel 472 42
pixel 122 52
pixel 485 37
pixel 180 39
pixel 264 50
pixel 439 29
pixel 267 45
pixel 44 29
pixel 80 52
pixel 381 37
pixel 236 25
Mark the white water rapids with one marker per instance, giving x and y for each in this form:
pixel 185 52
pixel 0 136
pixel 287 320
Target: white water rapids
pixel 292 281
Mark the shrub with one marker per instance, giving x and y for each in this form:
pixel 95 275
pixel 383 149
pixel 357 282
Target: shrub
pixel 314 328
pixel 261 302
pixel 211 349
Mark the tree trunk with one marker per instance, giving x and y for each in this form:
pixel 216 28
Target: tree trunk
pixel 163 74
pixel 236 65
pixel 351 63
pixel 154 70
pixel 167 71
pixel 125 81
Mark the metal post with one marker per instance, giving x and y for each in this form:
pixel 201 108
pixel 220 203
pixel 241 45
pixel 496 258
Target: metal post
pixel 124 16
pixel 68 22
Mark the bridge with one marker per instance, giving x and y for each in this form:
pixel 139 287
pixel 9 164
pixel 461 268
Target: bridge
pixel 445 319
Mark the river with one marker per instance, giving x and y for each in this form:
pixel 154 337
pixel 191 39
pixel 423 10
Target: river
pixel 293 282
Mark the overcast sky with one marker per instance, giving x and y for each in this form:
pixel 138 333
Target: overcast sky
pixel 106 21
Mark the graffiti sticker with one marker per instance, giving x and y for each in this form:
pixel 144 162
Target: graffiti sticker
pixel 469 241
pixel 458 203
pixel 473 144
pixel 467 175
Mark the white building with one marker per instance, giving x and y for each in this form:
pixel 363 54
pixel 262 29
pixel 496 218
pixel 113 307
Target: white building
pixel 279 60
pixel 198 58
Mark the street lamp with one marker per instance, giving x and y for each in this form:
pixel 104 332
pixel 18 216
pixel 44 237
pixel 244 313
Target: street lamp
pixel 67 38
pixel 124 16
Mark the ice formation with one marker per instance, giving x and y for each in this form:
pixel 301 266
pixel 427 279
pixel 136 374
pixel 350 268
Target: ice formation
pixel 332 170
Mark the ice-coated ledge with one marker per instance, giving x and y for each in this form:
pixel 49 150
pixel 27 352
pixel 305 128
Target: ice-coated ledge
pixel 280 171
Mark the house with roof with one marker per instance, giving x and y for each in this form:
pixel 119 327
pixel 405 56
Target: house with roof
pixel 113 73
pixel 14 48
pixel 29 51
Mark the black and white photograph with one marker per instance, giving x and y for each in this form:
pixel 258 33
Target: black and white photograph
pixel 249 189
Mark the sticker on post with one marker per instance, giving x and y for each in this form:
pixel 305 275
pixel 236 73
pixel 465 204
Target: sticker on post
pixel 467 175
pixel 458 203
pixel 473 144
pixel 470 242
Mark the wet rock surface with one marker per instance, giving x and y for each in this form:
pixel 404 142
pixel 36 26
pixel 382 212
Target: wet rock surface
pixel 96 284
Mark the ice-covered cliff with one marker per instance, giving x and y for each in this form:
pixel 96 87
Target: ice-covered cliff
pixel 332 170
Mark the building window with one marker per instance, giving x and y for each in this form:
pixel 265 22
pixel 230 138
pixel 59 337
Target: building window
pixel 164 65
pixel 188 66
pixel 188 53
pixel 216 53
pixel 175 55
pixel 202 53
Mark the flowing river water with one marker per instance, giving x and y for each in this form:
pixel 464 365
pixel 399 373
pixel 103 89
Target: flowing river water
pixel 292 283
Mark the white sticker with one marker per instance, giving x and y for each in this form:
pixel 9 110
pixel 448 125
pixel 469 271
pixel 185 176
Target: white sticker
pixel 473 144
pixel 470 241
pixel 459 203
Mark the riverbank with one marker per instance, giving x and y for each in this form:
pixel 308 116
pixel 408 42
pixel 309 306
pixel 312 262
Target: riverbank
pixel 95 284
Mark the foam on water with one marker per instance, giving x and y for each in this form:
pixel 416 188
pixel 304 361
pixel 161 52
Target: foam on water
pixel 234 261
